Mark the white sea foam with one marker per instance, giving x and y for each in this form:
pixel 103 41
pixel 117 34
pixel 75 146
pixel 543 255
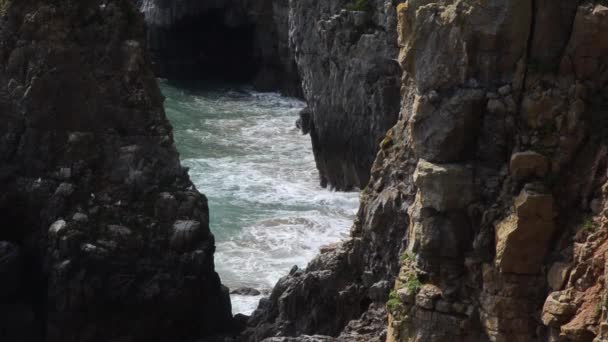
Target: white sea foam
pixel 267 210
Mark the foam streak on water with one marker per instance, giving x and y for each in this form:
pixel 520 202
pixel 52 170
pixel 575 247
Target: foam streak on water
pixel 268 212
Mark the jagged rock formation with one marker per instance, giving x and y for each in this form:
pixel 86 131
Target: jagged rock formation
pixel 346 55
pixel 235 40
pixel 536 91
pixel 489 193
pixel 103 236
pixel 343 53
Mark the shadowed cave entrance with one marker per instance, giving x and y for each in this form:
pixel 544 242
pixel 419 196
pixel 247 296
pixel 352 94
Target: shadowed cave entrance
pixel 216 45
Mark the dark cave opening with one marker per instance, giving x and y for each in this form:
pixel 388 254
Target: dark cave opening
pixel 212 46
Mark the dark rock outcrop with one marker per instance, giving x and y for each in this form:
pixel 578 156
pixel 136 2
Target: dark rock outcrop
pixel 346 57
pixel 104 237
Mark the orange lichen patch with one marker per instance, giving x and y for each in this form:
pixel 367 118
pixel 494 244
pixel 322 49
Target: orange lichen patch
pixel 585 321
pixel 601 251
pixel 587 288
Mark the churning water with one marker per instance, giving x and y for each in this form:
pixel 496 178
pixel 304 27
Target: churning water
pixel 267 210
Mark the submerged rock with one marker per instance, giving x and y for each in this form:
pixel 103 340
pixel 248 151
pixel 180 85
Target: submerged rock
pixel 304 122
pixel 246 291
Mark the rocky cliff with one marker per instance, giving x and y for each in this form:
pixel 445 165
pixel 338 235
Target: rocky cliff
pixel 103 236
pixel 342 55
pixel 484 218
pixel 485 211
pixel 346 54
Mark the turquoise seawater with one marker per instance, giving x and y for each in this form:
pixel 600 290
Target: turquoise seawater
pixel 267 210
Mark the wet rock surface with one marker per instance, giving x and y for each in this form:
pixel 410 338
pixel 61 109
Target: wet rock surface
pixel 246 291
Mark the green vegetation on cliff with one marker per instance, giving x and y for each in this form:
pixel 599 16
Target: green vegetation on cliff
pixel 4 6
pixel 359 5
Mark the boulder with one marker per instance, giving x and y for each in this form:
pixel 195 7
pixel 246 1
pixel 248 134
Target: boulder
pixel 522 238
pixel 528 164
pixel 245 291
pixel 557 275
pixel 427 296
pixel 556 313
pixel 444 186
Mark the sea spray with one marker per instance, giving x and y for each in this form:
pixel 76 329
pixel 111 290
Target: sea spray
pixel 268 212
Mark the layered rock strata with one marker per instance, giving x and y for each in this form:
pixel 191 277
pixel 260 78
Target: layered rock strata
pixel 104 237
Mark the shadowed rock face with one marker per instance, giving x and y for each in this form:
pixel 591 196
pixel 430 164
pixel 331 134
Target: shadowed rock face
pixel 234 40
pixel 104 237
pixel 350 78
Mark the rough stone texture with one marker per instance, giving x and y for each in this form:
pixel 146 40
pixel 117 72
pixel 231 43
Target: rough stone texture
pixel 91 186
pixel 528 164
pixel 350 79
pixel 557 275
pixel 513 95
pixel 444 132
pixel 522 238
pixel 536 101
pixel 502 133
pixel 444 187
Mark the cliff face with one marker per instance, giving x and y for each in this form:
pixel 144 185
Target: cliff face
pixel 341 55
pixel 104 238
pixel 488 194
pixel 346 55
pixel 510 143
